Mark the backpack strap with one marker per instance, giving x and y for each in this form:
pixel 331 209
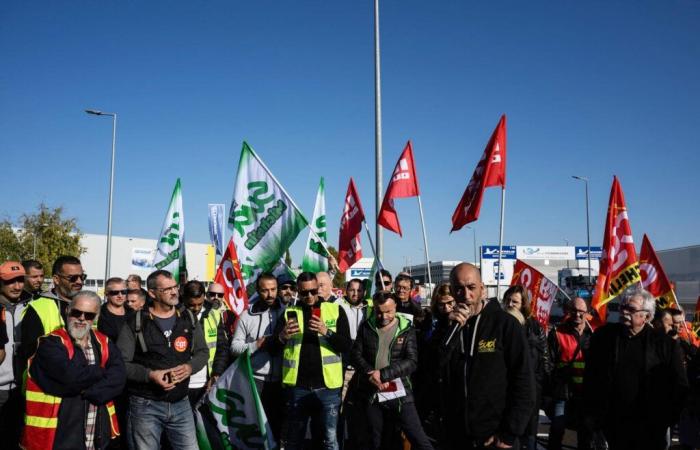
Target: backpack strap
pixel 139 332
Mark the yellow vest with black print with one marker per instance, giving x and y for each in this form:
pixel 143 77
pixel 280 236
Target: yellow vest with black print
pixel 330 360
pixel 210 326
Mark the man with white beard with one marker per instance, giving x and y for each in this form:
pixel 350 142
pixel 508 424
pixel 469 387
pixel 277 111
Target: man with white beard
pixel 71 381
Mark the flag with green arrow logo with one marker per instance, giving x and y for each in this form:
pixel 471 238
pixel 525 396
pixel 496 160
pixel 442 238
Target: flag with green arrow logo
pixel 315 256
pixel 170 254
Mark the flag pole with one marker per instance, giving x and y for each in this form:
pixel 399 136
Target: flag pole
pixel 374 252
pixel 425 243
pixel 500 244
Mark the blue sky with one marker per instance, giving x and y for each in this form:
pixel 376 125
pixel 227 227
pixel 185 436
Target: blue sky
pixel 592 88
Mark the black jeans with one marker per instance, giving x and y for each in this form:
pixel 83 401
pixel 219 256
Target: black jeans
pixel 11 417
pixel 407 417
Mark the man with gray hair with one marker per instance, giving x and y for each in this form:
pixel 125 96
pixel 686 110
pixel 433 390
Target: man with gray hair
pixel 634 382
pixel 71 381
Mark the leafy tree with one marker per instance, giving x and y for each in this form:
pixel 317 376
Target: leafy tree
pixel 47 229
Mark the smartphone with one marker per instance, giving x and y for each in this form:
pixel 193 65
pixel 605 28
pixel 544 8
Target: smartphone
pixel 292 315
pixel 316 312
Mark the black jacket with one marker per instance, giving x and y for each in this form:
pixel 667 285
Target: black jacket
pixel 403 357
pixel 78 383
pixel 653 398
pixel 559 383
pixel 539 354
pixel 489 383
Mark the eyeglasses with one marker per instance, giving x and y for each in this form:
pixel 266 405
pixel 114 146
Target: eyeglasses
pixel 118 291
pixel 215 294
pixel 172 288
pixel 631 309
pixel 579 311
pixel 308 292
pixel 77 314
pixel 286 287
pixel 402 288
pixel 73 278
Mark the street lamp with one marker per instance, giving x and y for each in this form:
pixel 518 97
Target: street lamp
pixel 588 228
pixel 474 233
pixel 111 185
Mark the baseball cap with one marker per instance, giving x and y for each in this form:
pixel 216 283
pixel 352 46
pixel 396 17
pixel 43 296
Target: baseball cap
pixel 9 270
pixel 286 279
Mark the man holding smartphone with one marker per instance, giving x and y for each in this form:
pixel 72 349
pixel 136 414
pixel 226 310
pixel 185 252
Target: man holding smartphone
pixel 313 335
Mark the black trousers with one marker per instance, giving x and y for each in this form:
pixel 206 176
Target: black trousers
pixel 272 399
pixel 407 417
pixel 11 417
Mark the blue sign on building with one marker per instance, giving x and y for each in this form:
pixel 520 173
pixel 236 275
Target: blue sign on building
pixel 582 252
pixel 491 252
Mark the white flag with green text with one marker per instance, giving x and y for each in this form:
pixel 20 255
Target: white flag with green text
pixel 263 219
pixel 315 259
pixel 170 254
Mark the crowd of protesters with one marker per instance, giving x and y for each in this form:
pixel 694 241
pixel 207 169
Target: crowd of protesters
pixel 358 371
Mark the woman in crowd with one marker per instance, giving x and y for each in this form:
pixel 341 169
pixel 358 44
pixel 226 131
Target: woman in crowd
pixel 517 298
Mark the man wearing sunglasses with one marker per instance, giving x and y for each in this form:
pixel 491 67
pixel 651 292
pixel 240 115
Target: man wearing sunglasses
pixel 287 289
pixel 80 370
pixel 634 384
pixel 114 312
pixel 48 312
pixel 568 348
pixel 314 335
pixel 161 346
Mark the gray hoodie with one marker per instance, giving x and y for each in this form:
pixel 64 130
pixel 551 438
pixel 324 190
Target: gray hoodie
pixel 13 318
pixel 252 325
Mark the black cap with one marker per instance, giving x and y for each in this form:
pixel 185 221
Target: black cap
pixel 286 279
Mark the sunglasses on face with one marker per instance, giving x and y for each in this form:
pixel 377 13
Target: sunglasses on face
pixel 74 278
pixel 118 291
pixel 308 292
pixel 215 294
pixel 286 287
pixel 77 314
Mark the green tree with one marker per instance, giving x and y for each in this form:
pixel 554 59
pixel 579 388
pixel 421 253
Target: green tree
pixel 339 279
pixel 47 231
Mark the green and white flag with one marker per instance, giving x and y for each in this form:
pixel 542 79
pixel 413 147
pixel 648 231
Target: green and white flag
pixel 231 416
pixel 315 256
pixel 263 219
pixel 170 254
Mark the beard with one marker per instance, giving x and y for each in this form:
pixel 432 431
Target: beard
pixel 76 332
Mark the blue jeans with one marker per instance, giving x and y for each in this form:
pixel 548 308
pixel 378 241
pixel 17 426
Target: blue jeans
pixel 148 418
pixel 322 406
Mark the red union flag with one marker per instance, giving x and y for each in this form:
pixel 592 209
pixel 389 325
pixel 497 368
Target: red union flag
pixel 490 171
pixel 654 278
pixel 541 290
pixel 230 277
pixel 404 183
pixel 349 248
pixel 619 268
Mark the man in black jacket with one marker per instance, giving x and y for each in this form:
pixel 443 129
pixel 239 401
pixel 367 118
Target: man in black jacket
pixel 385 354
pixel 490 389
pixel 635 383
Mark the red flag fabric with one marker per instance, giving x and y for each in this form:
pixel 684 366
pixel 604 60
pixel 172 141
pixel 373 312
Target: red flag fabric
pixel 230 277
pixel 490 171
pixel 541 290
pixel 654 278
pixel 619 268
pixel 349 248
pixel 404 183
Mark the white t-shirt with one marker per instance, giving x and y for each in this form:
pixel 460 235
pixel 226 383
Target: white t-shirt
pixel 199 379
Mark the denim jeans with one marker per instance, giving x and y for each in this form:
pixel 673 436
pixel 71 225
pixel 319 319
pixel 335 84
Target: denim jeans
pixel 149 418
pixel 322 406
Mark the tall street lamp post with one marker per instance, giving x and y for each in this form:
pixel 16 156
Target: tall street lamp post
pixel 588 230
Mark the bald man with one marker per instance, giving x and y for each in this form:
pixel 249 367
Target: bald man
pixel 325 286
pixel 490 395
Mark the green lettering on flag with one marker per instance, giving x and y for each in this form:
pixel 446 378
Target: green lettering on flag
pixel 170 254
pixel 315 256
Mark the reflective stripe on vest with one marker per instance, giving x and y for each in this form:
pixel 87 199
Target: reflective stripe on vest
pixel 331 362
pixel 48 312
pixel 210 325
pixel 567 347
pixel 41 411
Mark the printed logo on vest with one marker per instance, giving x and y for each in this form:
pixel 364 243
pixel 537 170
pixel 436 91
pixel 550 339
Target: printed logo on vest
pixel 330 323
pixel 180 344
pixel 487 346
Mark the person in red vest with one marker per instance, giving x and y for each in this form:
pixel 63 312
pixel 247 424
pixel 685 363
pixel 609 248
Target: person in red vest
pixel 71 381
pixel 568 347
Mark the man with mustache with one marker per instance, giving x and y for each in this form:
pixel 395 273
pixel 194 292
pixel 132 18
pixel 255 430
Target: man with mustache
pixel 71 381
pixel 634 382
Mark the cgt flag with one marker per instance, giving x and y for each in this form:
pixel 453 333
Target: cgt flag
pixel 230 277
pixel 490 171
pixel 403 184
pixel 349 248
pixel 315 256
pixel 231 415
pixel 170 254
pixel 541 290
pixel 619 268
pixel 263 218
pixel 654 278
